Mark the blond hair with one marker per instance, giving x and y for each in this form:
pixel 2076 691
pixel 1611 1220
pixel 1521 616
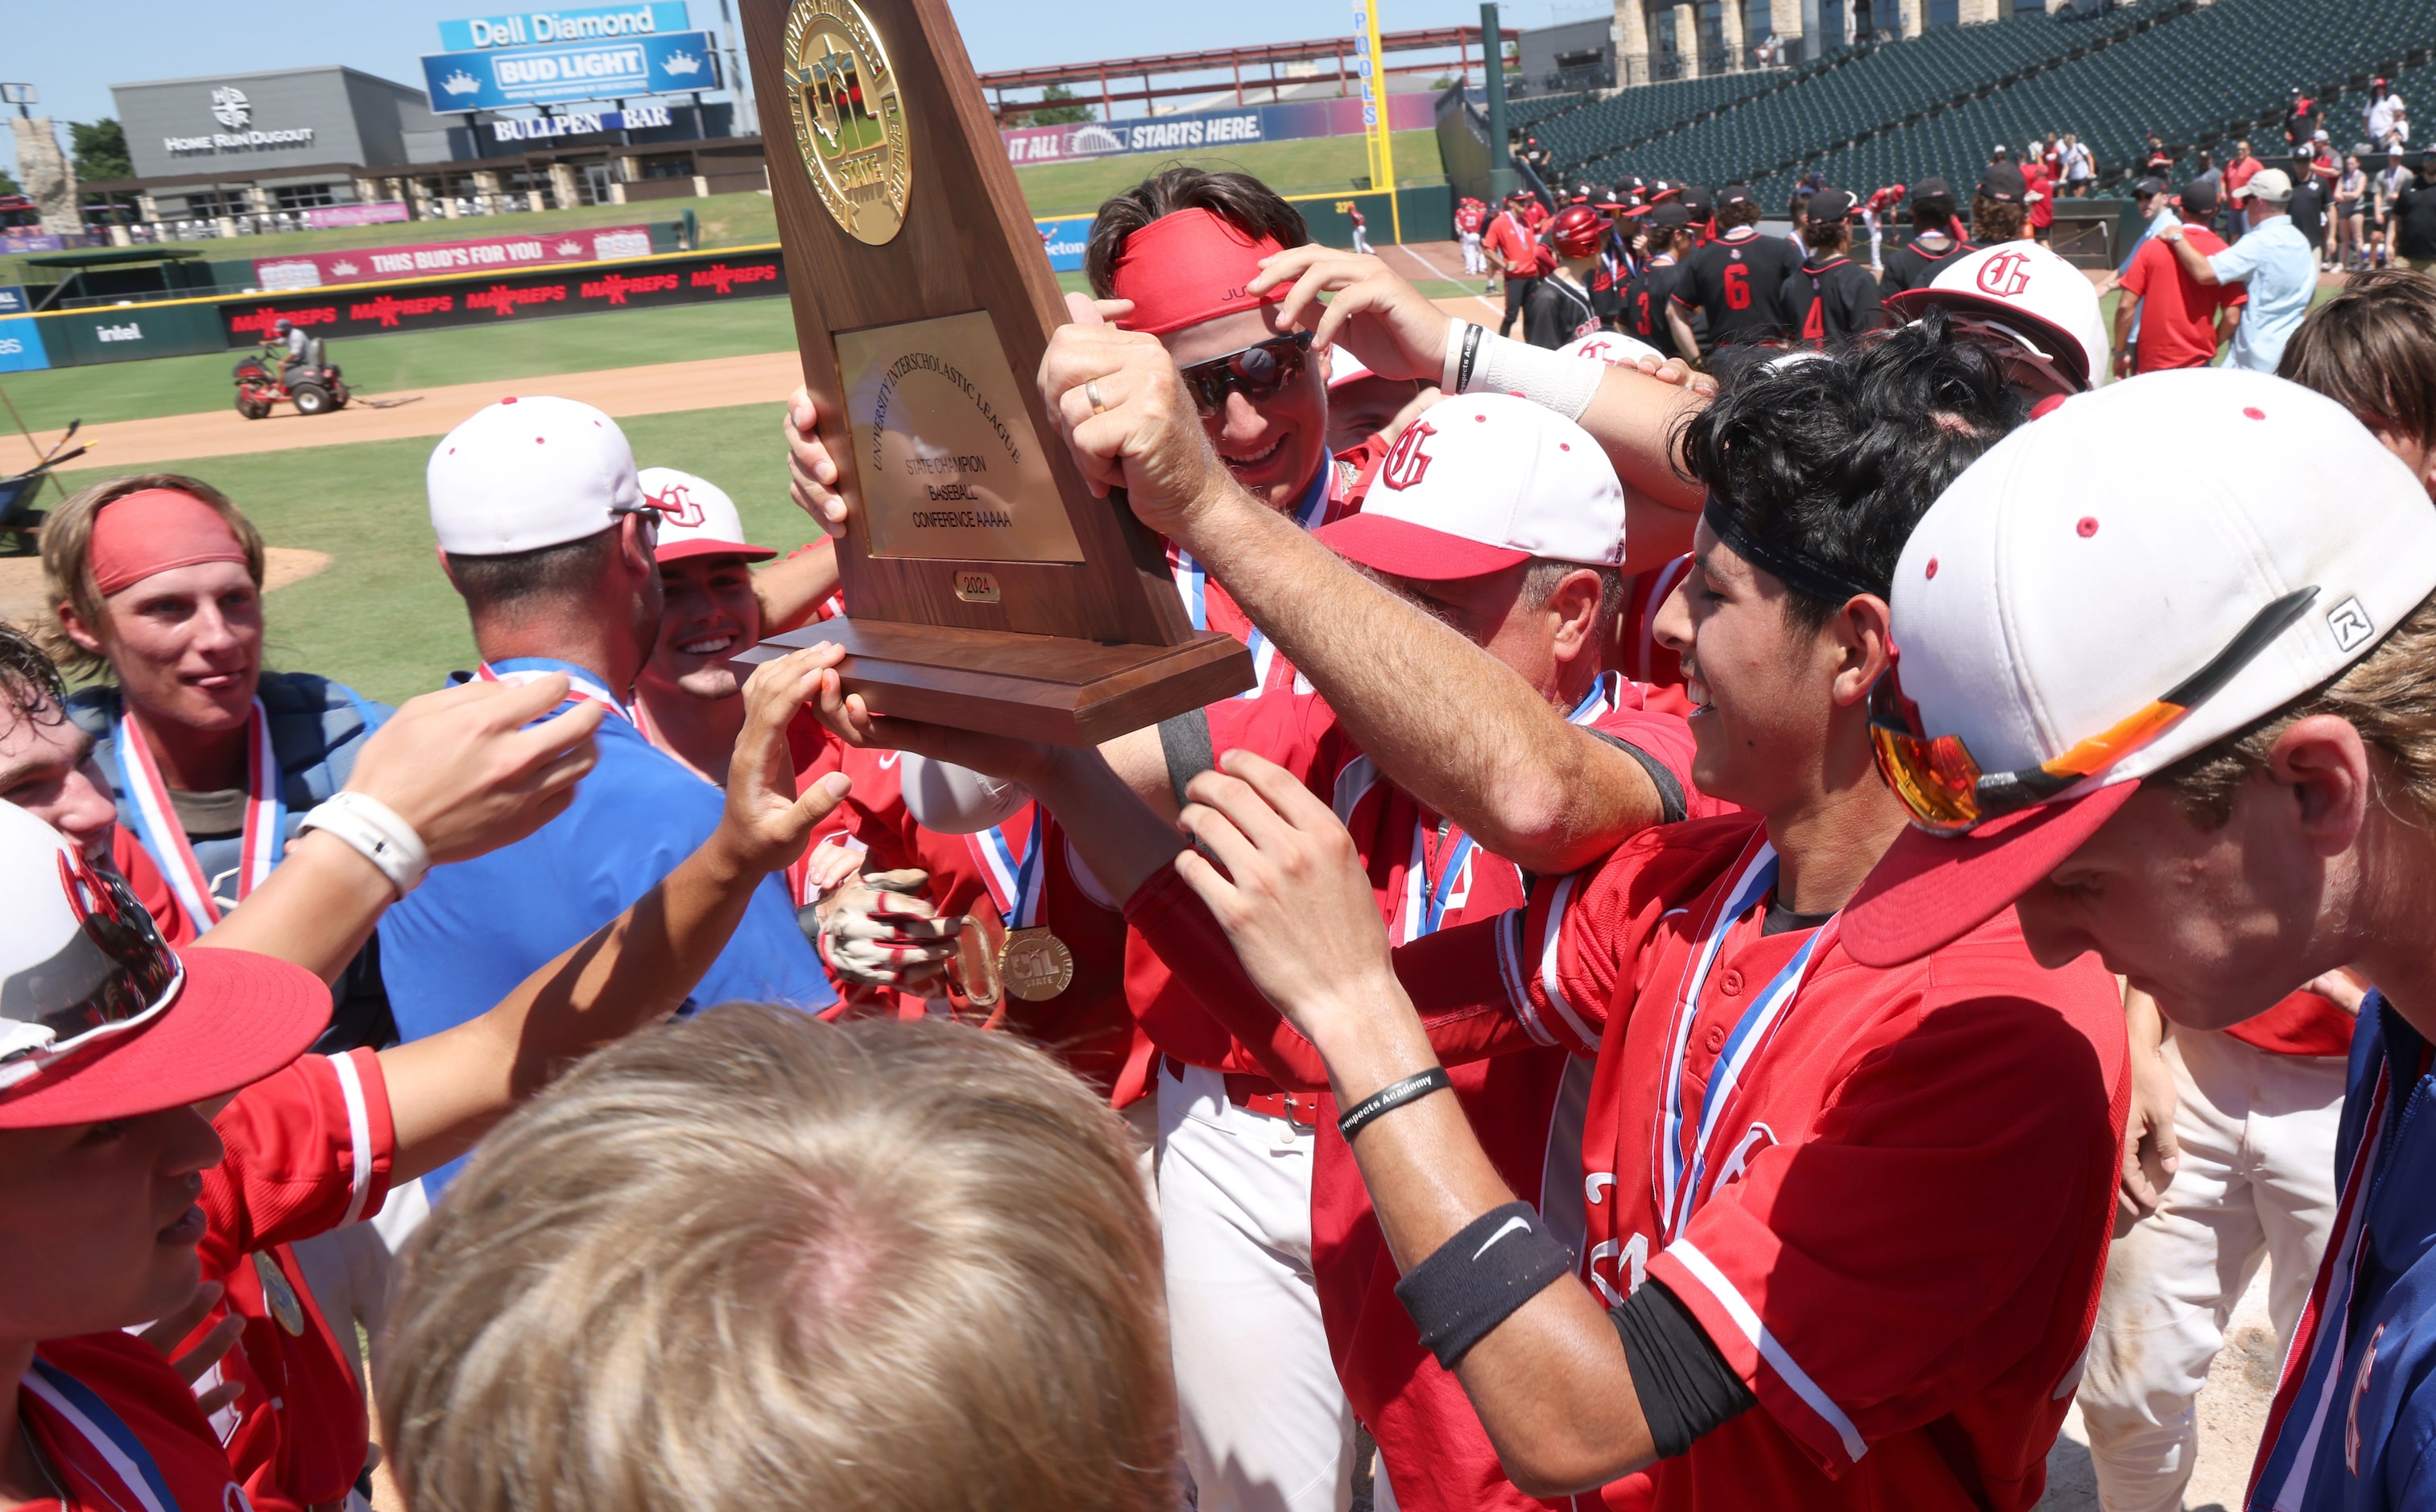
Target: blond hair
pixel 68 558
pixel 2388 696
pixel 757 1260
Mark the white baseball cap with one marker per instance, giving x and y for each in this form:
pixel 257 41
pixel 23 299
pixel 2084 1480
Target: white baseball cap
pixel 697 518
pixel 1614 350
pixel 1344 367
pixel 1480 483
pixel 101 1019
pixel 2274 186
pixel 528 472
pixel 2039 299
pixel 2079 581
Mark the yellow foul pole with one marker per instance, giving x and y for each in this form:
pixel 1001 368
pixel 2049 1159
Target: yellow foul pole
pixel 1374 108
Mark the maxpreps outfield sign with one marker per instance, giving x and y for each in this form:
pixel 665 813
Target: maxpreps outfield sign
pixel 526 27
pixel 674 62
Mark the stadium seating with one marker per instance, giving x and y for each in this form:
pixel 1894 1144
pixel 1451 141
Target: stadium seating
pixel 2220 70
pixel 1896 112
pixel 1884 85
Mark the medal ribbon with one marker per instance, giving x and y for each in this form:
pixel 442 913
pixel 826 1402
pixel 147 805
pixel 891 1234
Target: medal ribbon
pixel 579 689
pixel 1685 1134
pixel 111 1441
pixel 1016 888
pixel 156 819
pixel 1433 914
pixel 1192 578
pixel 2329 1306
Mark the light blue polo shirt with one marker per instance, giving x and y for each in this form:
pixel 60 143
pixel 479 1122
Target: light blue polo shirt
pixel 2281 273
pixel 463 940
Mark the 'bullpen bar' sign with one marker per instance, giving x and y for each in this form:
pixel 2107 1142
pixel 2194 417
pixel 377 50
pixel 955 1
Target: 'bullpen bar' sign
pixel 369 265
pixel 697 279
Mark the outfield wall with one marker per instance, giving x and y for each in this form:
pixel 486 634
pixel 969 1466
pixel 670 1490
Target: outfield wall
pixel 182 327
pixel 1293 121
pixel 1428 212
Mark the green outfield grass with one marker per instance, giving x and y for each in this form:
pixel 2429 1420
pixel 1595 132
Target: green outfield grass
pixel 407 359
pixel 1314 166
pixel 381 619
pixel 721 220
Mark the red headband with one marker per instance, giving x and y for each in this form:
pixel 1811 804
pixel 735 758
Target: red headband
pixel 1187 268
pixel 154 531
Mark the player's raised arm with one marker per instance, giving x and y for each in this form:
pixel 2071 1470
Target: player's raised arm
pixel 446 1090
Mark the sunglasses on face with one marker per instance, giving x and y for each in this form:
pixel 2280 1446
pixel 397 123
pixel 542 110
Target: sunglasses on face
pixel 1256 371
pixel 1941 784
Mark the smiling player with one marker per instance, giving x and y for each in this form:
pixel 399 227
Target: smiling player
pixel 687 696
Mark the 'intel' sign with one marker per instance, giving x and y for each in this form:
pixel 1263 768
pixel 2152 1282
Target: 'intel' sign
pixel 672 63
pixel 592 23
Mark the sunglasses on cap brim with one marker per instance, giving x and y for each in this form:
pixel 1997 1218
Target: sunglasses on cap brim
pixel 131 974
pixel 1256 371
pixel 1942 785
pixel 2025 366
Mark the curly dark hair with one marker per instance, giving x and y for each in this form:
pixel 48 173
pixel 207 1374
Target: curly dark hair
pixel 30 680
pixel 1238 198
pixel 1834 459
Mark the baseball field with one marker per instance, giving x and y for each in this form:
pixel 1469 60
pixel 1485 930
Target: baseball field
pixel 698 387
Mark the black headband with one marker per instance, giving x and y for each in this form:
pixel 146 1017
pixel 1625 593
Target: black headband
pixel 1800 573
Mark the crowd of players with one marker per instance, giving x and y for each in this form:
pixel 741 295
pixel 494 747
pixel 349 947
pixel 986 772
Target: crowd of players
pixel 1883 860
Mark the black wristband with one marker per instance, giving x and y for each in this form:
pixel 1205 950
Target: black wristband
pixel 1476 1280
pixel 1471 354
pixel 1389 1098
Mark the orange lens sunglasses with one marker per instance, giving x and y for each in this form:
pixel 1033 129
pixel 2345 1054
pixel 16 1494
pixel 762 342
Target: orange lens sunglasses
pixel 1942 785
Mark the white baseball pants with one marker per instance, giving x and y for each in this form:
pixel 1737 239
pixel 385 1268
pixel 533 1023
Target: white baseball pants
pixel 1266 1427
pixel 2256 1182
pixel 1474 262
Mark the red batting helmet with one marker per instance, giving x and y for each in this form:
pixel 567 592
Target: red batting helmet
pixel 1576 233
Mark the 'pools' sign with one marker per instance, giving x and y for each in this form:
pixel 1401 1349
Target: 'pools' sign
pixel 579 123
pixel 663 64
pixel 526 27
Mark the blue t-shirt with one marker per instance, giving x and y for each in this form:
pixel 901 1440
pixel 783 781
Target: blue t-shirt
pixel 2281 271
pixel 463 940
pixel 2358 1430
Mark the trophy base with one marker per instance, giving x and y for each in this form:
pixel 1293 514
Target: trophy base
pixel 1035 688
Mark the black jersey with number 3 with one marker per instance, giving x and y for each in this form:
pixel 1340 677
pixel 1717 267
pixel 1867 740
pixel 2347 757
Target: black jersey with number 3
pixel 1832 299
pixel 1738 280
pixel 1644 306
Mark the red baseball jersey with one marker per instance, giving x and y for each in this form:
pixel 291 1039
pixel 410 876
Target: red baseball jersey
pixel 2302 1024
pixel 1885 1195
pixel 1518 242
pixel 142 877
pixel 1467 218
pixel 121 1431
pixel 1427 875
pixel 309 1151
pixel 1638 654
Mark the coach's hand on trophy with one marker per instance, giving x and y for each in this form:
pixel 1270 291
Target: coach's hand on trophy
pixel 1123 405
pixel 812 472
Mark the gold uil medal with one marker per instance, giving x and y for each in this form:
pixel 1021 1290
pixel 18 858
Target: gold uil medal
pixel 279 1296
pixel 1035 965
pixel 849 117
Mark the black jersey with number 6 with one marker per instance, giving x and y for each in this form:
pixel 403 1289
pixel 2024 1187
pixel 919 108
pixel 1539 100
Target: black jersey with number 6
pixel 1738 280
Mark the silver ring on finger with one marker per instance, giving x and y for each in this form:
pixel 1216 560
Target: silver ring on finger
pixel 1091 393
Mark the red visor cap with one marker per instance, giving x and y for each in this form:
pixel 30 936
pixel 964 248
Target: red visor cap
pixel 1929 891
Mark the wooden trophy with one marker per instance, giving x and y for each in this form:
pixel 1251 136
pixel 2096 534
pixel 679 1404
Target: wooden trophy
pixel 987 588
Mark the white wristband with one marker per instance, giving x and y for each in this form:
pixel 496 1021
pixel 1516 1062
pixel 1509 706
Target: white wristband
pixel 373 828
pixel 1481 361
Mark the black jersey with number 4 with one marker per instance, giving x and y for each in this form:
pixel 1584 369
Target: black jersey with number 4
pixel 1832 299
pixel 1738 281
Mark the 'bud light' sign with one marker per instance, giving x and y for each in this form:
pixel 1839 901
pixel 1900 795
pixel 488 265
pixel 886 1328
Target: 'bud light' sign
pixel 674 62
